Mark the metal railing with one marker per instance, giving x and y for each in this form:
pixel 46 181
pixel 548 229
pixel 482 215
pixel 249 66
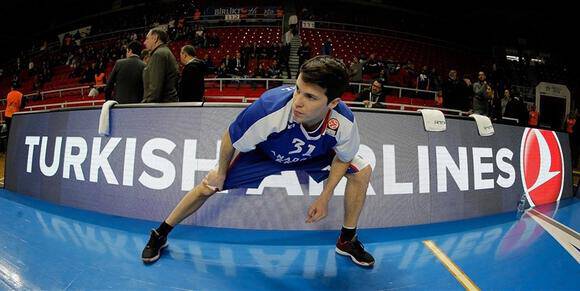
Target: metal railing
pixel 65 104
pixel 235 82
pixel 81 89
pixel 412 91
pixel 242 99
pixel 238 81
pixel 228 82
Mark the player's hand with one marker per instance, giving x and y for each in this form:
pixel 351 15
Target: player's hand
pixel 317 210
pixel 214 180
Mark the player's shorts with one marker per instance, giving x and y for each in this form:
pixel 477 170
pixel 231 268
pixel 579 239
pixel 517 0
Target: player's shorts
pixel 250 168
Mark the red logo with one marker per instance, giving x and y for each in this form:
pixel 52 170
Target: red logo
pixel 333 124
pixel 542 166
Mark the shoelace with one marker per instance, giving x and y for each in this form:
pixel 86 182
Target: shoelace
pixel 358 246
pixel 153 240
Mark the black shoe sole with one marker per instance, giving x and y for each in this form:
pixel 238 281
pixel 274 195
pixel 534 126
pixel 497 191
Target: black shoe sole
pixel 363 264
pixel 153 259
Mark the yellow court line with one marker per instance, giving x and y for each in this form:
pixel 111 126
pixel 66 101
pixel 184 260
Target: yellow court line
pixel 451 266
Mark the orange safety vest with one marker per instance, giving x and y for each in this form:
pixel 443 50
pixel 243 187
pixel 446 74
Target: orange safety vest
pixel 533 121
pixel 570 125
pixel 14 99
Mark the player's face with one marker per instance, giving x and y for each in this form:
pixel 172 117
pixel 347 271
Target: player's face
pixel 310 103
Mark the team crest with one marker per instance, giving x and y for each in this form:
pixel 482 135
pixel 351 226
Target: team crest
pixel 333 124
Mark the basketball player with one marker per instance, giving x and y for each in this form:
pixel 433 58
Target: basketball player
pixel 306 127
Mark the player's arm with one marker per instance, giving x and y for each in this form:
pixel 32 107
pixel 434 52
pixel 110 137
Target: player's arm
pixel 226 153
pixel 319 208
pixel 337 171
pixel 346 150
pixel 216 177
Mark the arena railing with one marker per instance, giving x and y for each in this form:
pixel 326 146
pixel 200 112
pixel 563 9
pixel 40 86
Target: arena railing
pixel 223 83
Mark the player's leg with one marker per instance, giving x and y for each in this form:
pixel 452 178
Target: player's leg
pixel 247 170
pixel 355 195
pixel 358 179
pixel 192 201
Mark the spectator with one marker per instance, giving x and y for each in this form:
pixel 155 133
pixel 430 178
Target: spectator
pixel 191 87
pixel 384 76
pixel 208 64
pixel 373 97
pixel 15 102
pixel 283 59
pixel 160 76
pixel 196 14
pixel 221 72
pixel 570 122
pixel 90 74
pixel 372 65
pixel 423 82
pixel 239 67
pixel 327 47
pixel 467 93
pixel 303 53
pixel 15 81
pixel 533 117
pixel 229 64
pixel 356 68
pixel 260 71
pixel 99 77
pixel 517 109
pixel 274 71
pixel 504 101
pixel 495 110
pixel 31 69
pixel 434 80
pixel 453 92
pixel 481 95
pixel 127 77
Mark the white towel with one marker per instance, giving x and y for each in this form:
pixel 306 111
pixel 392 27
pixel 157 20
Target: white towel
pixel 434 120
pixel 104 128
pixel 484 125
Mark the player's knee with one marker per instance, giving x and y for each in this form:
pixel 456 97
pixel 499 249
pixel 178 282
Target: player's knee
pixel 205 190
pixel 363 175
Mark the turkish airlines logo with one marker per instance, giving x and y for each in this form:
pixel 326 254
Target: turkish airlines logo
pixel 542 166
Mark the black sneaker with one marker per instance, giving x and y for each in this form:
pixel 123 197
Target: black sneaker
pixel 355 250
pixel 152 250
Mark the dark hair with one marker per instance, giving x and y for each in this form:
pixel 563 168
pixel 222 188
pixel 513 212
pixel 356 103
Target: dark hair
pixel 189 50
pixel 326 72
pixel 135 47
pixel 161 34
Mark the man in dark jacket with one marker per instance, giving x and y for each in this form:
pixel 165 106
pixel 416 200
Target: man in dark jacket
pixel 453 92
pixel 517 109
pixel 191 85
pixel 126 79
pixel 161 74
pixel 373 96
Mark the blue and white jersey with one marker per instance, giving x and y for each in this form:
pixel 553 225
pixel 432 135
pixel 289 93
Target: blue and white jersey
pixel 268 125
